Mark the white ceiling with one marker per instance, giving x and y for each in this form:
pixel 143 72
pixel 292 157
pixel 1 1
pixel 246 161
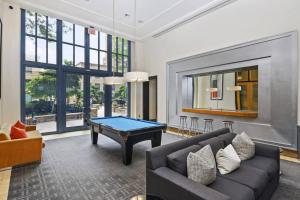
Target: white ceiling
pixel 156 15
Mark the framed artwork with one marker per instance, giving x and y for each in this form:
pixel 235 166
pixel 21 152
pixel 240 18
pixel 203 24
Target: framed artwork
pixel 0 53
pixel 216 84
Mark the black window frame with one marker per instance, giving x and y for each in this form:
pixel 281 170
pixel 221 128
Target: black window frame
pixel 62 70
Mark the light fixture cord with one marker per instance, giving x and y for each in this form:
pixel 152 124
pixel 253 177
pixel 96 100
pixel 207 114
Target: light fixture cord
pixel 135 56
pixel 113 17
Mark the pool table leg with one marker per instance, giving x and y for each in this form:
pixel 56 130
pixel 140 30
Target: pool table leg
pixel 94 136
pixel 127 152
pixel 156 139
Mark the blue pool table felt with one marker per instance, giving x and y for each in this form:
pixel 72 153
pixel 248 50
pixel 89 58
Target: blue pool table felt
pixel 124 123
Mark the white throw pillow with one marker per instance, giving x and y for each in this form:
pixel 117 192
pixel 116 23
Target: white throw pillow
pixel 244 146
pixel 201 166
pixel 227 160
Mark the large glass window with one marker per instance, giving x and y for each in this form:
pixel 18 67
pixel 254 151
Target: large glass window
pixel 120 48
pixel 96 97
pixel 40 38
pixel 98 51
pixel 73 45
pixel 74 100
pixel 120 100
pixel 62 73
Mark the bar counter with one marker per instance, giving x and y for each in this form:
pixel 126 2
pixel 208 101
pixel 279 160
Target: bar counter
pixel 234 113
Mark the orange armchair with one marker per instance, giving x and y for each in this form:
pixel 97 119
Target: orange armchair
pixel 22 151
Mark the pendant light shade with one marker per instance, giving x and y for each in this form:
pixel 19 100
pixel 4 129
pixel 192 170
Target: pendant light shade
pixel 136 76
pixel 113 80
pixel 234 88
pixel 211 89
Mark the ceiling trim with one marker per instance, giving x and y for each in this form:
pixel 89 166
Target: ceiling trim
pixel 71 18
pixel 188 18
pixel 162 13
pixel 95 13
pixel 157 32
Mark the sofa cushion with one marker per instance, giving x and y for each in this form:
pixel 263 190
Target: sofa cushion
pixel 20 125
pixel 201 166
pixel 254 178
pixel 17 133
pixel 215 144
pixel 227 138
pixel 244 146
pixel 227 160
pixel 177 160
pixel 234 190
pixel 266 164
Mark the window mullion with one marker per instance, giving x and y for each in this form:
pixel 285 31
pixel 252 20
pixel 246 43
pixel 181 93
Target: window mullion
pixel 73 45
pixel 35 39
pixel 46 39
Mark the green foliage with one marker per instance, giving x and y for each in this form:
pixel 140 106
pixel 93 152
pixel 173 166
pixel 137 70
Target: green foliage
pixel 97 95
pixel 120 94
pixel 42 86
pixel 41 25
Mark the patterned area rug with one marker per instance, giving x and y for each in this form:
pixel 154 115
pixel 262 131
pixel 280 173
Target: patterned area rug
pixel 73 169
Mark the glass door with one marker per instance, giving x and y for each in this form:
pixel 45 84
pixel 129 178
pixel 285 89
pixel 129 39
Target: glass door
pixel 41 98
pixel 97 97
pixel 74 100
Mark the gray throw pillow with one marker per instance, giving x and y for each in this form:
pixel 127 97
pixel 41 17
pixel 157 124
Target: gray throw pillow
pixel 244 146
pixel 201 166
pixel 215 144
pixel 177 160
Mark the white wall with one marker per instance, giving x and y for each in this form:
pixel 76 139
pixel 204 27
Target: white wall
pixel 1 14
pixel 10 101
pixel 239 22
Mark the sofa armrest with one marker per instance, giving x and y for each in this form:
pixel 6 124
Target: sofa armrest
pixel 30 127
pixel 267 151
pixel 170 185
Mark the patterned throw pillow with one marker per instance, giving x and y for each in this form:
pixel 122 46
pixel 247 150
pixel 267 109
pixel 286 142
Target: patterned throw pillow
pixel 227 160
pixel 201 166
pixel 244 146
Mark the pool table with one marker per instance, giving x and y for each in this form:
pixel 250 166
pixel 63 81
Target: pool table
pixel 127 132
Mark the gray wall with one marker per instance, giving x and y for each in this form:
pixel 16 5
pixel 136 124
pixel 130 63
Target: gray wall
pixel 276 58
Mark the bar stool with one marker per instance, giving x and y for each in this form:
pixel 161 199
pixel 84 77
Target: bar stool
pixel 194 125
pixel 183 124
pixel 208 126
pixel 228 124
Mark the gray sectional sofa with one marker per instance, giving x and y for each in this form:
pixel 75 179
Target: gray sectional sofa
pixel 166 176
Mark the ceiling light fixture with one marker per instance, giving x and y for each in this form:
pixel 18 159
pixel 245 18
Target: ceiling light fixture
pixel 135 76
